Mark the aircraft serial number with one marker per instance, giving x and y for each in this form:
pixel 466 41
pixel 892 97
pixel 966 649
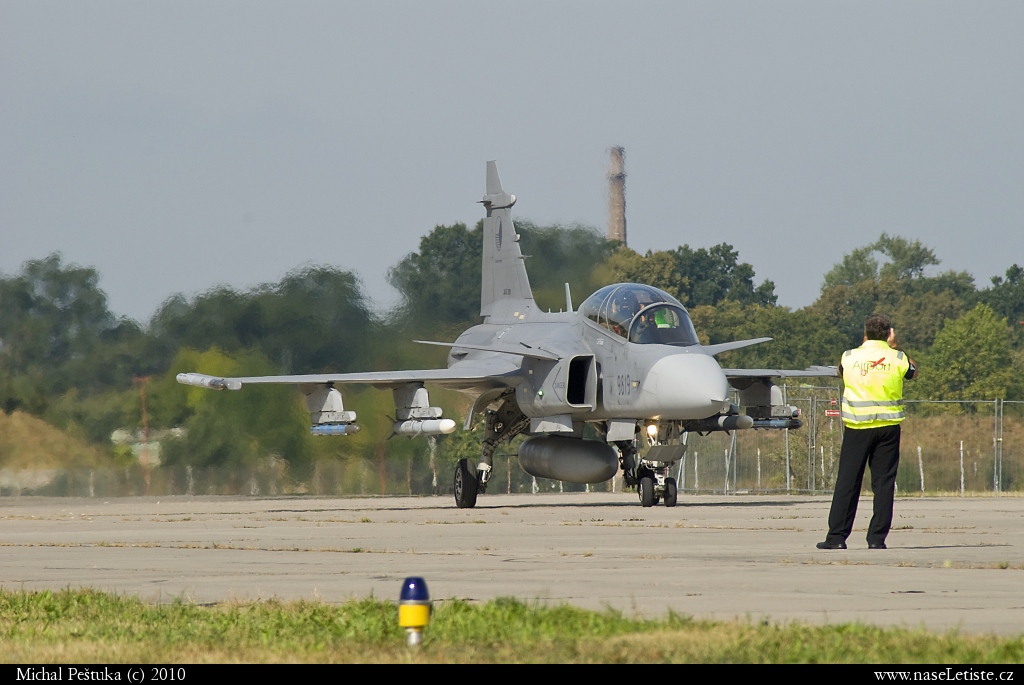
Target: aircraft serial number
pixel 625 385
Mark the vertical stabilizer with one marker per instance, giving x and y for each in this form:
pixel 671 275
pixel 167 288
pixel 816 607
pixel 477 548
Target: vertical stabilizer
pixel 503 278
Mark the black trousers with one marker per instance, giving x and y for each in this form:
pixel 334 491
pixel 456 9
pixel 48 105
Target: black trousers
pixel 878 448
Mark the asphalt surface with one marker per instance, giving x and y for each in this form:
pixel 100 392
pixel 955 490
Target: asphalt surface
pixel 952 564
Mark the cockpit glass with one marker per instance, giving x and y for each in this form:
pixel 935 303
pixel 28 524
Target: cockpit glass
pixel 641 314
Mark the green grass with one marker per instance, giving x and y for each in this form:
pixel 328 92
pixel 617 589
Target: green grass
pixel 88 626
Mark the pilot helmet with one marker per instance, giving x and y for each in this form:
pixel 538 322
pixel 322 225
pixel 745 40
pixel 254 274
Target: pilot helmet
pixel 626 301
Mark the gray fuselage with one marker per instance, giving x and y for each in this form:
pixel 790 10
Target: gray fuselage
pixel 633 381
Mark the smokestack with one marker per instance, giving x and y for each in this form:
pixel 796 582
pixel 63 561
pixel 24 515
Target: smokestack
pixel 617 195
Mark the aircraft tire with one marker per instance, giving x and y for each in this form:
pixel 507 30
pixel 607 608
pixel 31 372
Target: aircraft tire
pixel 465 486
pixel 671 492
pixel 646 490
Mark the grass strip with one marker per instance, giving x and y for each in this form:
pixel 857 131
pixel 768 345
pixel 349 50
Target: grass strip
pixel 87 626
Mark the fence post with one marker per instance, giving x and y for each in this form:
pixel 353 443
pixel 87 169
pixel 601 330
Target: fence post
pixel 432 444
pixel 814 438
pixel 789 487
pixel 1002 413
pixel 681 475
pixel 735 460
pixel 920 467
pixel 812 414
pixel 995 447
pixel 961 468
pixel 725 487
pixel 821 448
pixel 758 469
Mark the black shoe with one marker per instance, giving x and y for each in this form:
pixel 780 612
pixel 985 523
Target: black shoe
pixel 877 545
pixel 831 545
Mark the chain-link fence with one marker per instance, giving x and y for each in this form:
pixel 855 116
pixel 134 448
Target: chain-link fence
pixel 958 447
pixel 1010 446
pixel 946 447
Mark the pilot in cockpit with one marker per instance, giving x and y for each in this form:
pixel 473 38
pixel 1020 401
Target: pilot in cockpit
pixel 624 306
pixel 649 324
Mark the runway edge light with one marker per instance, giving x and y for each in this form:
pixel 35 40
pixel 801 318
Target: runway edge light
pixel 414 609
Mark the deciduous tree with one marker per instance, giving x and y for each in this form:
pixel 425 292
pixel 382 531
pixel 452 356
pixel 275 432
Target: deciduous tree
pixel 970 359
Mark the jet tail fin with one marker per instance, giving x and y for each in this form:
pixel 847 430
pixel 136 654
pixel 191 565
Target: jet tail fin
pixel 503 278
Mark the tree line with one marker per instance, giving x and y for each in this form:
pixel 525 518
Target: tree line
pixel 65 357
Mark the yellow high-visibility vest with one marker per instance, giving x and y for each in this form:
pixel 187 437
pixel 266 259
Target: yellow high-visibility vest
pixel 873 379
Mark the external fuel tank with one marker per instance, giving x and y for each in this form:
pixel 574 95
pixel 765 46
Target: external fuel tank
pixel 568 459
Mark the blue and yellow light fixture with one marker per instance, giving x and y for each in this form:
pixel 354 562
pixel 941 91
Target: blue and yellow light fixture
pixel 414 609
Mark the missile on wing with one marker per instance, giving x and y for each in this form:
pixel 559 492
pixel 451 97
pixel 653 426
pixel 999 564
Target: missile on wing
pixel 568 459
pixel 201 380
pixel 333 429
pixel 778 423
pixel 781 416
pixel 726 422
pixel 424 427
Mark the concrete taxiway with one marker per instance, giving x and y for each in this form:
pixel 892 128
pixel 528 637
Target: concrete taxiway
pixel 953 564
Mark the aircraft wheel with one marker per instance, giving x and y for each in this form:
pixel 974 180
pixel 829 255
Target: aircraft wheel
pixel 646 490
pixel 671 492
pixel 465 486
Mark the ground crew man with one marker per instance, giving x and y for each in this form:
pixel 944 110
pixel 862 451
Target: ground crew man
pixel 872 410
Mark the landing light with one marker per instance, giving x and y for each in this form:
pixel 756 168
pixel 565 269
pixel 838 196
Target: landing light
pixel 652 430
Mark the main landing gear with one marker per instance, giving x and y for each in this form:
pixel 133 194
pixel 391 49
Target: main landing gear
pixel 503 423
pixel 466 486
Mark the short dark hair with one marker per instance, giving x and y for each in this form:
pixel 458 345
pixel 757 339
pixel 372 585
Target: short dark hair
pixel 877 327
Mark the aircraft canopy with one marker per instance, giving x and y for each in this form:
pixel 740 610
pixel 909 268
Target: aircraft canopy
pixel 641 314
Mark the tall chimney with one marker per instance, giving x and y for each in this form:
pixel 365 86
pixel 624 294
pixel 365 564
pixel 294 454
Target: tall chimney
pixel 617 195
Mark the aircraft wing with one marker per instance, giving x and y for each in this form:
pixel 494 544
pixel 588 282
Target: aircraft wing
pixel 811 371
pixel 735 345
pixel 481 374
pixel 520 350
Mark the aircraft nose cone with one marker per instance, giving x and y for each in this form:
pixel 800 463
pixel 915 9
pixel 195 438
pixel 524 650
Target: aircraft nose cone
pixel 686 386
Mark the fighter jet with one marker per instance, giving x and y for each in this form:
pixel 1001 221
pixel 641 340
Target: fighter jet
pixel 627 362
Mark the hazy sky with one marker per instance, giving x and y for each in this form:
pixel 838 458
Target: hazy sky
pixel 179 145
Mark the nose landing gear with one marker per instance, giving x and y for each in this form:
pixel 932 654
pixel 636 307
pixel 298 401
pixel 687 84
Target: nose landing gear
pixel 654 486
pixel 666 448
